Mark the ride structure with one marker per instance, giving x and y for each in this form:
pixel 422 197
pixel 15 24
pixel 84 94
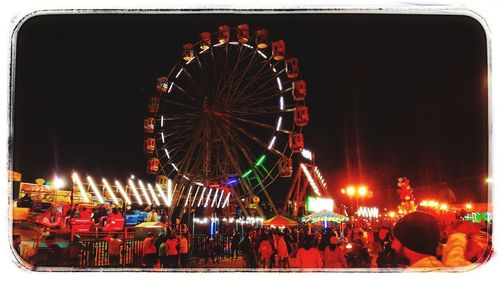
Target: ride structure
pixel 307 179
pixel 226 119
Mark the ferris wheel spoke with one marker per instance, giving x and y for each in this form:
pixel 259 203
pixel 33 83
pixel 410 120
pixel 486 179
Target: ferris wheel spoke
pixel 256 102
pixel 255 77
pixel 250 161
pixel 204 73
pixel 259 111
pixel 274 77
pixel 198 89
pixel 248 121
pixel 237 167
pixel 253 137
pixel 196 109
pixel 243 75
pixel 241 145
pixel 225 93
pixel 264 88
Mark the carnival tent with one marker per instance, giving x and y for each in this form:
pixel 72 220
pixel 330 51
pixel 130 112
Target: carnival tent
pixel 325 216
pixel 280 221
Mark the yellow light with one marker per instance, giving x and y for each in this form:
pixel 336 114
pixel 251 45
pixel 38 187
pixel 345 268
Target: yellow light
pixel 392 214
pixel 144 192
pixel 122 192
pixel 153 194
pixel 362 191
pixel 468 206
pixel 58 183
pixel 424 203
pixel 342 190
pixel 488 180
pixel 83 193
pixel 169 193
pixel 444 207
pixel 134 190
pixel 351 190
pixel 400 211
pixel 113 196
pixel 162 195
pixel 95 189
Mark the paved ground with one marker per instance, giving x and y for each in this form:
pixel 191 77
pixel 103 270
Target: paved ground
pixel 221 263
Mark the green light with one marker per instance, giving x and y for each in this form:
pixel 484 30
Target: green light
pixel 260 160
pixel 247 173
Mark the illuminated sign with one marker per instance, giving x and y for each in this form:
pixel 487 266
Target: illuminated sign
pixel 478 217
pixel 368 212
pixel 316 204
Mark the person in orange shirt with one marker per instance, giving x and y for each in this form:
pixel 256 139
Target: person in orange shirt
pixel 265 251
pixel 149 251
pixel 173 252
pixel 114 244
pixel 333 255
pixel 309 257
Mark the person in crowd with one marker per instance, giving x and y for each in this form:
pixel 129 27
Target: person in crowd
pixel 333 255
pixel 53 252
pixel 247 247
pixel 16 243
pixel 210 249
pixel 163 217
pixel 308 256
pixel 101 214
pixel 295 242
pixel 84 214
pixel 173 252
pixel 466 245
pixel 114 215
pixel 75 251
pixel 387 257
pixel 114 244
pixel 235 241
pixel 25 201
pixel 282 252
pixel 416 237
pixel 273 238
pixel 161 238
pixel 152 216
pixel 149 251
pixel 162 252
pixel 129 210
pixel 359 256
pixel 287 235
pixel 265 251
pixel 183 250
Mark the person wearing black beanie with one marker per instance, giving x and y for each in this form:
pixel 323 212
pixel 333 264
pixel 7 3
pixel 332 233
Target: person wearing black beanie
pixel 416 237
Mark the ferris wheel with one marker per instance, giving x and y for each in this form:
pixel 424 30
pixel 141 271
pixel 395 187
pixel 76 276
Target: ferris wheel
pixel 228 115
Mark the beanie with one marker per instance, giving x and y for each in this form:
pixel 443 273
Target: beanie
pixel 419 232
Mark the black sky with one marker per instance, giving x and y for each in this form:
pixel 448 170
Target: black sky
pixel 411 90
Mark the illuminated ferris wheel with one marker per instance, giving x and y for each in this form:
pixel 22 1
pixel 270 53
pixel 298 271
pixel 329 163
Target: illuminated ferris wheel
pixel 227 117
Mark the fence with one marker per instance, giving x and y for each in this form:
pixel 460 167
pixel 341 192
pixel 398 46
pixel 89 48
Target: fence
pixel 95 252
pixel 201 247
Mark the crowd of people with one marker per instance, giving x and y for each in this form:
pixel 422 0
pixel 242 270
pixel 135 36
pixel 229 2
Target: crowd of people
pixel 415 241
pixel 166 251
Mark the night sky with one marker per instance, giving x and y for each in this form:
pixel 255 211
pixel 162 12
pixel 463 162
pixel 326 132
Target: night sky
pixel 388 95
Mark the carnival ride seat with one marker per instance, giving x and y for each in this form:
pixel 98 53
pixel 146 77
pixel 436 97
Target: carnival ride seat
pixel 135 218
pixel 114 225
pixel 45 220
pixel 79 225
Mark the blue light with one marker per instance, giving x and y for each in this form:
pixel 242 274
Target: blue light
pixel 232 181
